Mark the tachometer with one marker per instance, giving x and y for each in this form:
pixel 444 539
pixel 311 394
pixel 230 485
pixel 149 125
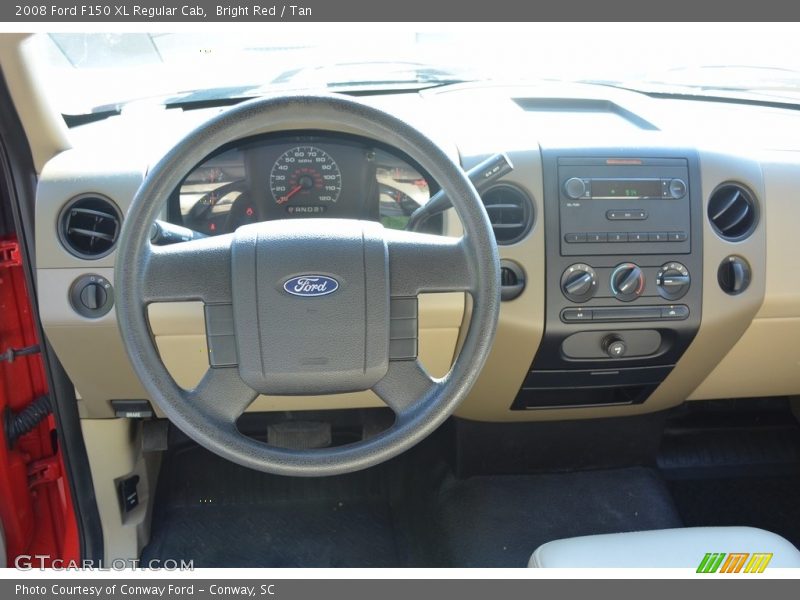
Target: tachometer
pixel 306 180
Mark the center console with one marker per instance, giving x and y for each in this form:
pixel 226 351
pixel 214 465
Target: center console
pixel 624 270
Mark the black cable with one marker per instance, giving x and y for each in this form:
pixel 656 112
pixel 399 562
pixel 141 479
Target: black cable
pixel 27 419
pixel 12 353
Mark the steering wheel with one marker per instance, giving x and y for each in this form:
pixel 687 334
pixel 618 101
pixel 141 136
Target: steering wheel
pixel 308 305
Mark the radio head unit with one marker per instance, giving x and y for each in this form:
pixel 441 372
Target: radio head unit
pixel 599 188
pixel 641 203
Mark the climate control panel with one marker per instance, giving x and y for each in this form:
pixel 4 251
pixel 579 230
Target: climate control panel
pixel 625 282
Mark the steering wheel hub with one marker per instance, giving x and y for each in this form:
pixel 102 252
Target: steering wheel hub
pixel 311 338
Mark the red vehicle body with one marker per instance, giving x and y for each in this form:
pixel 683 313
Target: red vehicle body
pixel 36 511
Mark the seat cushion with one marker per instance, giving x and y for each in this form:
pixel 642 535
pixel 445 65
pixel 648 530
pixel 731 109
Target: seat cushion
pixel 669 548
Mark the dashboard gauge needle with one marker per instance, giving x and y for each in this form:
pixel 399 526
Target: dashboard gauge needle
pixel 292 192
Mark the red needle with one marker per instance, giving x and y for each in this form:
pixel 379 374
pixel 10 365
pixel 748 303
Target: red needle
pixel 292 192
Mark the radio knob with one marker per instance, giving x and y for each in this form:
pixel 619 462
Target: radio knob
pixel 627 282
pixel 575 188
pixel 579 282
pixel 677 188
pixel 673 281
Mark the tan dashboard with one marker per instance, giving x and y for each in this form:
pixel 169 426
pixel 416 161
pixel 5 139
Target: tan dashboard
pixel 744 344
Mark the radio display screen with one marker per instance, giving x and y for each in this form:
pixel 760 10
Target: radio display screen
pixel 626 188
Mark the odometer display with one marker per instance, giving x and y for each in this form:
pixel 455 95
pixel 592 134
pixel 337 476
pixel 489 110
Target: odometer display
pixel 305 176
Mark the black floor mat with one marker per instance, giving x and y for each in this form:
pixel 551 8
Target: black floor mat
pixel 301 535
pixel 735 449
pixel 399 514
pixel 771 503
pixel 736 467
pixel 499 521
pixel 222 515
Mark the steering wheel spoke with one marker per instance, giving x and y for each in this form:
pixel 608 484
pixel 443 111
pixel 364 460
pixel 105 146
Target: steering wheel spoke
pixel 221 395
pixel 420 262
pixel 405 385
pixel 193 270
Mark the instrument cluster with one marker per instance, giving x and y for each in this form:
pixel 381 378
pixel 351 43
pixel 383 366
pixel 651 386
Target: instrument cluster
pixel 299 176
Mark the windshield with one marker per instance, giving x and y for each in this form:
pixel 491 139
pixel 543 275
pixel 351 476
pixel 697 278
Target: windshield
pixel 92 72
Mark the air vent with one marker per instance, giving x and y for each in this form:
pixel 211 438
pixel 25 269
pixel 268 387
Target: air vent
pixel 510 212
pixel 732 212
pixel 89 226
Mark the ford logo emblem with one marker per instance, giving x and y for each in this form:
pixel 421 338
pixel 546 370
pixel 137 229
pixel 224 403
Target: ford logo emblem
pixel 311 285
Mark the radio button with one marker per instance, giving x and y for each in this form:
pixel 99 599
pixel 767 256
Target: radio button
pixel 596 237
pixel 678 236
pixel 617 237
pixel 574 238
pixel 626 215
pixel 637 237
pixel 660 236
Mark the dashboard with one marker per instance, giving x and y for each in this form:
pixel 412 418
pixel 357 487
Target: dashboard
pixel 632 234
pixel 300 175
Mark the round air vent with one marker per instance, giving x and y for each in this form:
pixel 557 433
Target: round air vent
pixel 732 212
pixel 89 226
pixel 510 212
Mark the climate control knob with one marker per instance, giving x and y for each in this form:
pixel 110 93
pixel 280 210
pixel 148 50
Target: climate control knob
pixel 673 280
pixel 627 282
pixel 579 282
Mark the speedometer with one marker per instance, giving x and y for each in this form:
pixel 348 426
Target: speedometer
pixel 305 179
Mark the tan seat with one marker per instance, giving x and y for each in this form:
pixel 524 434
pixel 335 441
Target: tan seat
pixel 671 548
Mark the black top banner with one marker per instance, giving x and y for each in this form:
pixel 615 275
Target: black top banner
pixel 265 11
